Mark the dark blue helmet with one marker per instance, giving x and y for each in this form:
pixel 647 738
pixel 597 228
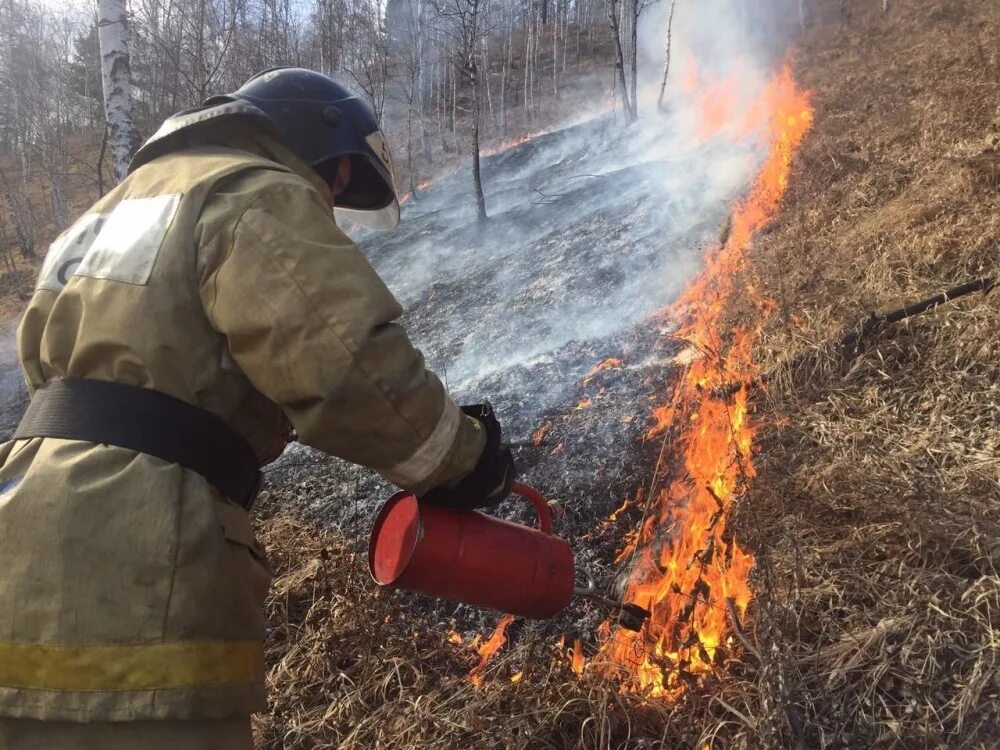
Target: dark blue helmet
pixel 321 121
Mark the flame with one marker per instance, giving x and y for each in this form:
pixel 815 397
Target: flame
pixel 510 143
pixel 517 677
pixel 540 433
pixel 489 649
pixel 690 570
pixel 611 363
pixel 455 637
pixel 715 107
pixel 585 404
pixel 576 660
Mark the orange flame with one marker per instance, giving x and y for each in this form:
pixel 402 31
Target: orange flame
pixel 540 433
pixel 611 363
pixel 576 660
pixel 511 143
pixel 489 649
pixel 690 571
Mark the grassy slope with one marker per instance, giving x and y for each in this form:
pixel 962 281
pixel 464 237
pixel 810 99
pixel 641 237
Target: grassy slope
pixel 874 514
pixel 879 486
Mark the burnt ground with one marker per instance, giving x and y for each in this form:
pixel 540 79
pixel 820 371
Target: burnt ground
pixel 591 231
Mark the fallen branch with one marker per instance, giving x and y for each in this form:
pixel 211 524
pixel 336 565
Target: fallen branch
pixel 875 323
pixel 872 325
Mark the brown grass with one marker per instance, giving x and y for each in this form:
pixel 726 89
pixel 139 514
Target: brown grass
pixel 874 515
pixel 880 474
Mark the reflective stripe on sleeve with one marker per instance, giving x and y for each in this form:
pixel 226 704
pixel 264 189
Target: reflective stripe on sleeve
pixel 426 459
pixel 155 666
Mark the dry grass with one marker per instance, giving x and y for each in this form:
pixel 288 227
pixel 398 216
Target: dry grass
pixel 880 473
pixel 874 515
pixel 358 669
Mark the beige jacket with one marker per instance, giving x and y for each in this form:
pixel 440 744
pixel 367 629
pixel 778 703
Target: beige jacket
pixel 128 588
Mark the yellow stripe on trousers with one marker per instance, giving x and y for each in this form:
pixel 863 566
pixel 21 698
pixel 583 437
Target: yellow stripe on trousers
pixel 154 666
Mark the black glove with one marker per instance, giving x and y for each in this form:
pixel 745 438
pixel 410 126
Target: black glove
pixel 490 481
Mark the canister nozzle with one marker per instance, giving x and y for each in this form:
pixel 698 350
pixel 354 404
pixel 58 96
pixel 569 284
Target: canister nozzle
pixel 630 616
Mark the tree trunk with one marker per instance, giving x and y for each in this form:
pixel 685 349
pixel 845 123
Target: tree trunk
pixel 409 149
pixel 527 67
pixel 489 93
pixel 666 65
pixel 477 178
pixel 616 33
pixel 635 58
pixel 555 54
pixel 508 57
pixel 116 75
pixel 100 164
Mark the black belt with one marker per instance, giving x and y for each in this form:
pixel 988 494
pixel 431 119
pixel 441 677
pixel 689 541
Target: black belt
pixel 144 420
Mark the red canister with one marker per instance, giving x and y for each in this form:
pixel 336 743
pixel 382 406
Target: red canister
pixel 473 558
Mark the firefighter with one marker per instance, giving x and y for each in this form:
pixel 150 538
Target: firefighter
pixel 178 330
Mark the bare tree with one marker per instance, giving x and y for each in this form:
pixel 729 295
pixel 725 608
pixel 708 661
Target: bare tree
pixel 113 33
pixel 408 46
pixel 75 89
pixel 465 25
pixel 614 8
pixel 666 65
pixel 367 54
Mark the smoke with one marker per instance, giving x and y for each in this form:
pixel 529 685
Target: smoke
pixel 594 227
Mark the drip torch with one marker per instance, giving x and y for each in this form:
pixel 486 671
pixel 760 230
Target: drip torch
pixel 474 558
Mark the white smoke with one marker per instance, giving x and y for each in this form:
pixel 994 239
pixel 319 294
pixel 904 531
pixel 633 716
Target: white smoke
pixel 593 228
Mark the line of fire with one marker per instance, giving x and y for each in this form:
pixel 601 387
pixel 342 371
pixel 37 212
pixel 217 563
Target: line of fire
pixel 685 581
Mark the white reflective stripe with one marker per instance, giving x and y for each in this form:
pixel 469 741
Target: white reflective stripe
pixel 128 243
pixel 67 252
pixel 431 454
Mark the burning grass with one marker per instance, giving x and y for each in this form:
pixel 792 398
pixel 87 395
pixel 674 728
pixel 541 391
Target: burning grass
pixel 349 667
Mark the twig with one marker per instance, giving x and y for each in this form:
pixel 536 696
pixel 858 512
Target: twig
pixel 738 629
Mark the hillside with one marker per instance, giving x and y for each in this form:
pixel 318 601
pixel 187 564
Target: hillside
pixel 657 311
pixel 872 516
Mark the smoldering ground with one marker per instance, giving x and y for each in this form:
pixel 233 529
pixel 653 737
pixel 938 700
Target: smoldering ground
pixel 593 228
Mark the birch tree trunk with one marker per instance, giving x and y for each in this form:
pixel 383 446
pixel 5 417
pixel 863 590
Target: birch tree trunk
pixel 666 65
pixel 617 37
pixel 116 76
pixel 477 178
pixel 634 51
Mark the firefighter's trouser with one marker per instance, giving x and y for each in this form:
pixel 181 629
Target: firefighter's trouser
pixel 30 734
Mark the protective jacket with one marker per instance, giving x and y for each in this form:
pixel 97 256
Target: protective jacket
pixel 129 589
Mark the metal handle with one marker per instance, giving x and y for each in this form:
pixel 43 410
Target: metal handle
pixel 541 505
